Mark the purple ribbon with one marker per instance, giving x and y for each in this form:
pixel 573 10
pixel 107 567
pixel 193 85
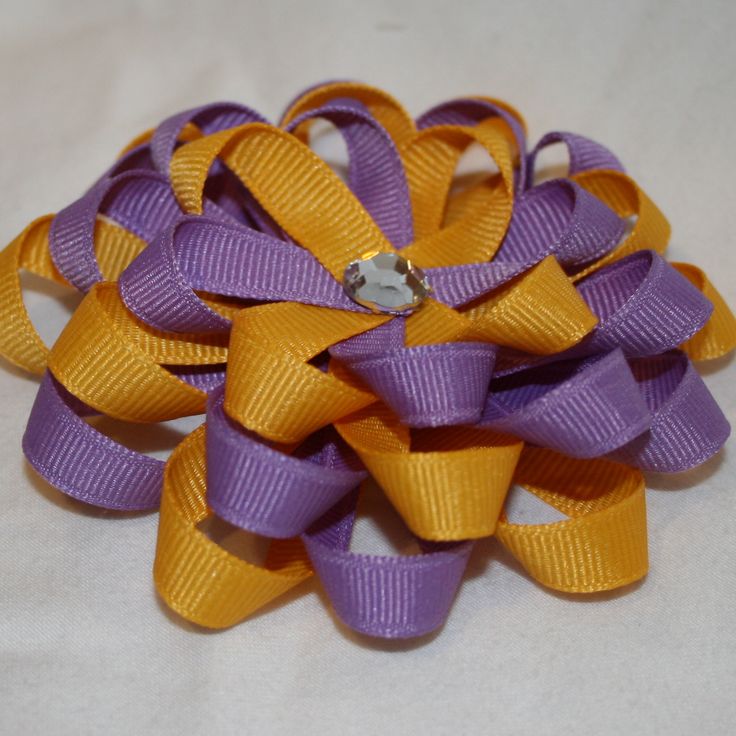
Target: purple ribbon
pixel 259 488
pixel 82 462
pixel 392 597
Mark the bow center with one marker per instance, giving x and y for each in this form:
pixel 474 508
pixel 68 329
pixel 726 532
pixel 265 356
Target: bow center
pixel 386 283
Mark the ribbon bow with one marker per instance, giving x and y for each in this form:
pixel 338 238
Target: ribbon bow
pixel 553 352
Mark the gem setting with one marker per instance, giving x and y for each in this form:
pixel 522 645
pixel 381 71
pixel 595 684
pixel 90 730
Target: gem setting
pixel 386 283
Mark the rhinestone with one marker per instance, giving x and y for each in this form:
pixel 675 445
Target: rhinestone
pixel 385 282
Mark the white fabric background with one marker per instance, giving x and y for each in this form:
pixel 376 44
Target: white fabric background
pixel 86 648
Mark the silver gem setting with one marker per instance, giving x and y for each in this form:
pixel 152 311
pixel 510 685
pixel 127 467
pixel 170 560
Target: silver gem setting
pixel 385 283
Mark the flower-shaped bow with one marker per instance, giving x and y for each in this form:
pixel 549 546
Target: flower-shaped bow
pixel 553 351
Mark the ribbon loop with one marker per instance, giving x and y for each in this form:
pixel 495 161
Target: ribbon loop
pixel 448 486
pixel 585 154
pixel 62 448
pixel 429 385
pixel 393 597
pixel 271 389
pixel 196 577
pixel 96 341
pixel 581 408
pixel 687 425
pixel 141 202
pixel 375 172
pixel 604 543
pixel 263 489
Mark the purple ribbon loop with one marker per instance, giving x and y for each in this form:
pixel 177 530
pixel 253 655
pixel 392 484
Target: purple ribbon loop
pixel 560 217
pixel 209 119
pixel 202 254
pixel 140 201
pixel 82 462
pixel 136 159
pixel 585 154
pixel 429 385
pixel 582 408
pixel 687 428
pixel 198 253
pixel 645 306
pixel 259 488
pixel 392 597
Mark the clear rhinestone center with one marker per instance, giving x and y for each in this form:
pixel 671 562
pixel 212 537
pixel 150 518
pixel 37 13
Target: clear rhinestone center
pixel 385 282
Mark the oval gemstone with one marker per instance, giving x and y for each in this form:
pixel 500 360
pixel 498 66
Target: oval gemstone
pixel 385 282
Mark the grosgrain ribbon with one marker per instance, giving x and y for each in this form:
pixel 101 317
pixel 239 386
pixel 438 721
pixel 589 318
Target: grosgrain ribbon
pixel 553 353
